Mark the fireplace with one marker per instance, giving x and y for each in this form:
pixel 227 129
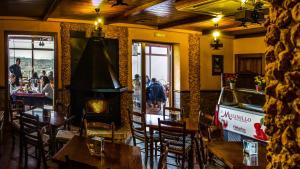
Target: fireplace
pixel 95 77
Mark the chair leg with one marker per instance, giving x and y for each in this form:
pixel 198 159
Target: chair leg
pixel 146 152
pixel 183 162
pixel 26 155
pixel 155 149
pixel 44 158
pixel 198 154
pixel 38 155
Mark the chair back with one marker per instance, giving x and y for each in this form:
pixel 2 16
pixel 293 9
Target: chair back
pixel 180 110
pixel 91 123
pixel 71 164
pixel 162 163
pixel 30 128
pixel 174 134
pixel 137 125
pixel 15 108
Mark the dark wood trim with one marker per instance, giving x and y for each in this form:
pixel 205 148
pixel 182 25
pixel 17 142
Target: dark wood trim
pixel 189 20
pixel 46 49
pixel 51 8
pixel 133 11
pixel 252 35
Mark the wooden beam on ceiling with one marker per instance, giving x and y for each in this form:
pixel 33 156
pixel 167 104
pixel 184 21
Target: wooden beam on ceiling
pixel 51 8
pixel 189 20
pixel 134 11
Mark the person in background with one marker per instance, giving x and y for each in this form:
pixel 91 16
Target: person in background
pixel 46 87
pixel 137 90
pixel 43 74
pixel 50 76
pixel 156 93
pixel 148 81
pixel 34 79
pixel 16 70
pixel 12 83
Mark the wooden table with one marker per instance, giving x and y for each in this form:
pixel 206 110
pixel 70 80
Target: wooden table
pixel 191 129
pixel 116 156
pixel 231 153
pixel 32 99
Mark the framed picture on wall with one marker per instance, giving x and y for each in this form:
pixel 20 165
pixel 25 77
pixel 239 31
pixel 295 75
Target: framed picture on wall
pixel 217 64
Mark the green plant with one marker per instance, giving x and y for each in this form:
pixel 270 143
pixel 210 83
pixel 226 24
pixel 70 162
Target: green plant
pixel 259 80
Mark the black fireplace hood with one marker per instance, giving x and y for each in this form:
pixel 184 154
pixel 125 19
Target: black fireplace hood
pixel 97 68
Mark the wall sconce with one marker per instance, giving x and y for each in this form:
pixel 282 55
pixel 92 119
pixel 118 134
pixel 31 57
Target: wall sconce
pixel 216 43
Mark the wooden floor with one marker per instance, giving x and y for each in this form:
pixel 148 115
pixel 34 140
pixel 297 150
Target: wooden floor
pixel 9 155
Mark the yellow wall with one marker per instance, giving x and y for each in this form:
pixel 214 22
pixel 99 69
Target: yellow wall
pixel 33 26
pixel 209 82
pixel 249 45
pixel 181 41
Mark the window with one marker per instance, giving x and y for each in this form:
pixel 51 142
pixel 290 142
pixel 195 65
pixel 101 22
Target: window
pixel 36 53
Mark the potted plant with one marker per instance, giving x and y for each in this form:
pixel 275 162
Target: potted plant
pixel 260 83
pixel 232 80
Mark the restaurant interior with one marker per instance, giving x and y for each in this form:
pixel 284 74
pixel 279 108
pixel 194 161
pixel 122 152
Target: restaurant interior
pixel 150 84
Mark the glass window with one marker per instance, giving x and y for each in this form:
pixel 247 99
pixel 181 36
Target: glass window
pixel 43 44
pixel 20 43
pixel 43 60
pixel 159 50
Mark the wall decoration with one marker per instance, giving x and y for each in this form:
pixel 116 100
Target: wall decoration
pixel 217 64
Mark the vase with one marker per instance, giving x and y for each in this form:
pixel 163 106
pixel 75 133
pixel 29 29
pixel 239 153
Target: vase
pixel 258 88
pixel 232 85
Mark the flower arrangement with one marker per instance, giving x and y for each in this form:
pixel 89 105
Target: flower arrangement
pixel 260 81
pixel 231 78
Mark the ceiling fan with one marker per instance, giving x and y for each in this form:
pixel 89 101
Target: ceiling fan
pixel 119 3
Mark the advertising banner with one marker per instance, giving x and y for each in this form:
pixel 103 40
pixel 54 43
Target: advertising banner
pixel 244 123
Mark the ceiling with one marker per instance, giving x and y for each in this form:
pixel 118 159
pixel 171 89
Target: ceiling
pixel 179 14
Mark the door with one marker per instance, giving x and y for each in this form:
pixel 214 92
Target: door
pixel 152 76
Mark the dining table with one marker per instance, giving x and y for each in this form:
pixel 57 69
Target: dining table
pixel 192 123
pixel 231 154
pixel 31 98
pixel 53 119
pixel 114 155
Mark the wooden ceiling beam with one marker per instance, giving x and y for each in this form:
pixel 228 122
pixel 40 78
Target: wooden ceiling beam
pixel 51 8
pixel 134 10
pixel 189 20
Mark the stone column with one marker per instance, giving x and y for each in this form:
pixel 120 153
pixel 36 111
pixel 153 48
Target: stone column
pixel 282 105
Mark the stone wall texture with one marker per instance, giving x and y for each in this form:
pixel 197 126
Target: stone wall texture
pixel 194 73
pixel 282 106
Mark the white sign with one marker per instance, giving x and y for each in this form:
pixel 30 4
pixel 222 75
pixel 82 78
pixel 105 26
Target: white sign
pixel 243 123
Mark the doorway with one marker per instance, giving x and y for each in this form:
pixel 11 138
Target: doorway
pixel 31 67
pixel 152 76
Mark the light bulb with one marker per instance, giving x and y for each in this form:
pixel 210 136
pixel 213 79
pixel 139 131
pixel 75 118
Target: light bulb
pixel 217 18
pixel 96 23
pixel 99 20
pixel 96 3
pixel 216 34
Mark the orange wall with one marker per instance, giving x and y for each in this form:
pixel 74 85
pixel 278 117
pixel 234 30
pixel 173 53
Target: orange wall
pixel 33 26
pixel 249 45
pixel 207 81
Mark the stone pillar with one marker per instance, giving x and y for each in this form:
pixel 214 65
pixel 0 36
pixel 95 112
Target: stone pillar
pixel 282 105
pixel 194 73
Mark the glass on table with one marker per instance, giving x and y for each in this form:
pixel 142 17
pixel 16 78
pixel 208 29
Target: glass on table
pixel 96 146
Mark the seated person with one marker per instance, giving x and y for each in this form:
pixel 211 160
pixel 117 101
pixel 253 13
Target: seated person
pixel 156 93
pixel 12 83
pixel 50 76
pixel 46 87
pixel 34 79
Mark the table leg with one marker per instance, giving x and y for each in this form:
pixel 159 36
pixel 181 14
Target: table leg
pixel 151 146
pixel 191 155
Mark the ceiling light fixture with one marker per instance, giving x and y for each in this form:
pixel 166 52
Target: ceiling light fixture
pixel 216 43
pixel 217 19
pixel 98 23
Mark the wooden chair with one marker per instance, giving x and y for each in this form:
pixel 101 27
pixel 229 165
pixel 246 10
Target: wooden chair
pixel 174 134
pixel 71 164
pixel 139 132
pixel 32 134
pixel 1 125
pixel 91 126
pixel 181 111
pixel 15 109
pixel 162 163
pixel 68 131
